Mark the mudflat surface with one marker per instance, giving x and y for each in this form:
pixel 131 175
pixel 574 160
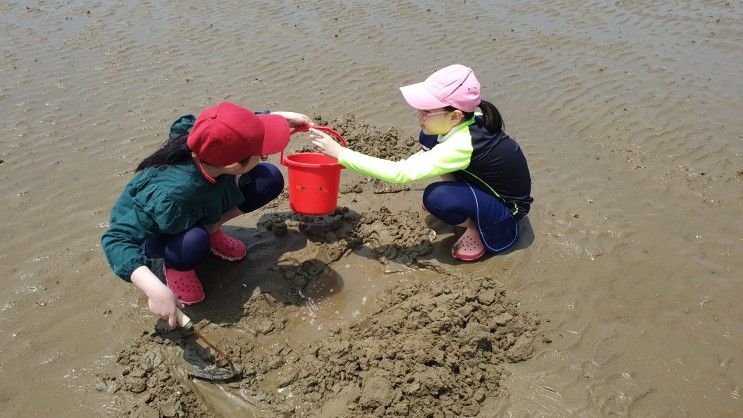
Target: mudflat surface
pixel 622 296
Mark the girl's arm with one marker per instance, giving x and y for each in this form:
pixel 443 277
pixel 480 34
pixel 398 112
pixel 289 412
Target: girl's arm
pixel 161 300
pixel 294 119
pixel 447 157
pixel 128 260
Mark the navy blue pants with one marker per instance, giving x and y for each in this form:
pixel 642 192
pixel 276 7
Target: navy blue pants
pixel 185 250
pixel 456 201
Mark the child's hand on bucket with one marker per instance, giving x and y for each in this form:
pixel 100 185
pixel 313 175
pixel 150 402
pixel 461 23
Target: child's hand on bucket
pixel 325 143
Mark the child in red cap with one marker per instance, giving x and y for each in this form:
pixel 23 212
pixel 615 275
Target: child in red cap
pixel 208 172
pixel 485 183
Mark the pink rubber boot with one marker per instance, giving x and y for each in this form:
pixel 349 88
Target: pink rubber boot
pixel 185 285
pixel 226 247
pixel 469 246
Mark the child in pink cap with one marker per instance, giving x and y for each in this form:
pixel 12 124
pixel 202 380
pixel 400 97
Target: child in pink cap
pixel 484 182
pixel 208 172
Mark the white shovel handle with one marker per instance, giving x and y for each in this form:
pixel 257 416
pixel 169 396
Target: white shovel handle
pixel 183 320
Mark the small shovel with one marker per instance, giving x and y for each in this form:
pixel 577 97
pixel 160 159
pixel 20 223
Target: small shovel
pixel 214 373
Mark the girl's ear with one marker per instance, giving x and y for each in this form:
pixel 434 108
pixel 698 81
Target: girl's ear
pixel 457 117
pixel 231 166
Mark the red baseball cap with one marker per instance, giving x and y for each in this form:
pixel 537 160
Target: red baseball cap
pixel 228 133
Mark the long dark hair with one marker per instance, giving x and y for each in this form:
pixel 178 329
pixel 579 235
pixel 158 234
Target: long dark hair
pixel 171 152
pixel 493 120
pixel 175 149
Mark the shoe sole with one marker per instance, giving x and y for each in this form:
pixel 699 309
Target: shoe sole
pixel 224 257
pixel 192 303
pixel 468 257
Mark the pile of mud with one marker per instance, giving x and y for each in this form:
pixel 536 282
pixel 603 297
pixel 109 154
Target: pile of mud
pixel 426 349
pixel 368 139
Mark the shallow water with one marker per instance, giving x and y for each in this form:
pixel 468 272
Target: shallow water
pixel 628 114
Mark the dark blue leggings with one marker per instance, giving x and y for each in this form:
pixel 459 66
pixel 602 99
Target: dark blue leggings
pixel 456 201
pixel 185 250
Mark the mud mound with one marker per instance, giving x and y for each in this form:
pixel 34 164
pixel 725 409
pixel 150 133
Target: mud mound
pixel 370 140
pixel 426 349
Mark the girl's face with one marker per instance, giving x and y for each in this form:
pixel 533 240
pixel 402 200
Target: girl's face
pixel 438 121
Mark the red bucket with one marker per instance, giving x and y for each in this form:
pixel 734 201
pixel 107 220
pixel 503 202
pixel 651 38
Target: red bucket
pixel 314 179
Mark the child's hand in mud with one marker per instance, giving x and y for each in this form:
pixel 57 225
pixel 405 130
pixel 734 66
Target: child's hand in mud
pixel 325 144
pixel 164 303
pixel 294 119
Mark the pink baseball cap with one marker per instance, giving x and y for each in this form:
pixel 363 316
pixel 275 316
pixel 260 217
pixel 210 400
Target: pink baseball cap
pixel 454 86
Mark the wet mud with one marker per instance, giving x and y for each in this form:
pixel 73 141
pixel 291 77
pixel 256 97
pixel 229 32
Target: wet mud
pixel 371 140
pixel 425 350
pixel 421 348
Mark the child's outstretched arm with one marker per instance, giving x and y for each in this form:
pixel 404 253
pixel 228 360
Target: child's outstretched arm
pixel 295 119
pixel 447 157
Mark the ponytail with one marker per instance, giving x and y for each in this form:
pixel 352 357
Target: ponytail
pixel 493 120
pixel 175 149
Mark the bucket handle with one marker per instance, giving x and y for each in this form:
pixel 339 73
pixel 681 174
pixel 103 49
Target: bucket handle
pixel 306 128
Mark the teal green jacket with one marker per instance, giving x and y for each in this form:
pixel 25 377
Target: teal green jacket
pixel 163 200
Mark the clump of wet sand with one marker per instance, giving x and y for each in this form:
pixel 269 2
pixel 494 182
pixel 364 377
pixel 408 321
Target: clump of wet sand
pixel 427 349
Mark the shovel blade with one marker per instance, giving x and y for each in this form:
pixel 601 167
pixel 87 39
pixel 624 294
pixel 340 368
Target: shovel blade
pixel 212 373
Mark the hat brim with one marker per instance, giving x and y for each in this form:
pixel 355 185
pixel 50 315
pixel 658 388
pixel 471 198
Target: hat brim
pixel 418 96
pixel 275 133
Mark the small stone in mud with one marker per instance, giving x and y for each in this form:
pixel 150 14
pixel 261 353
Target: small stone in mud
pixel 521 350
pixel 136 384
pixel 376 393
pixel 113 387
